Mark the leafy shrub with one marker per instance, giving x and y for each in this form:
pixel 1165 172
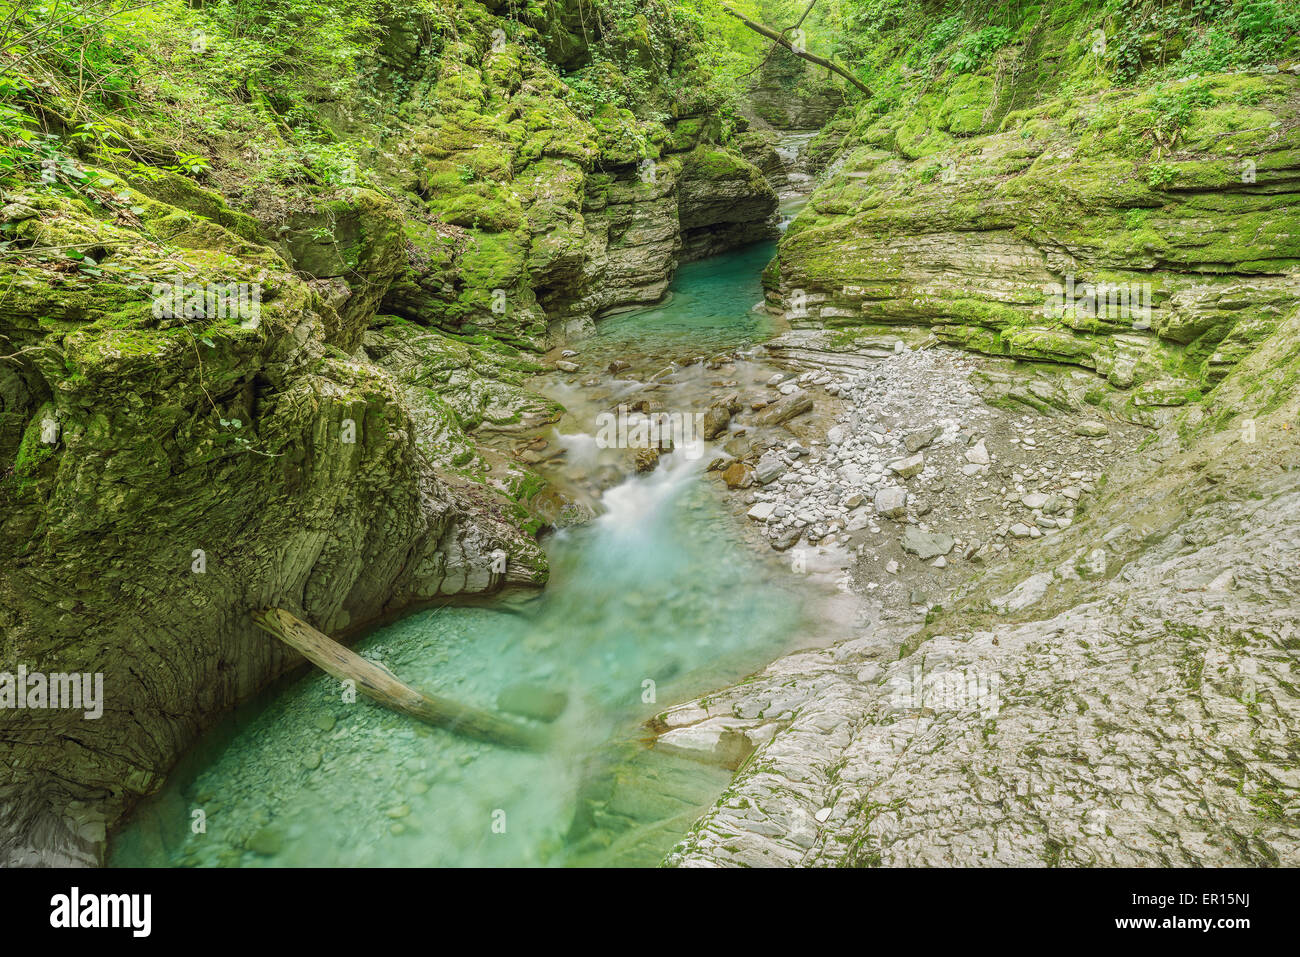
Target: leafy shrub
pixel 975 48
pixel 1161 175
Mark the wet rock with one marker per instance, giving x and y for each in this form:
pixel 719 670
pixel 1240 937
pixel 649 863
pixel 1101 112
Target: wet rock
pixel 564 365
pixel 721 741
pixel 716 420
pixel 266 841
pixel 737 447
pixel 646 459
pixel 786 539
pixel 738 475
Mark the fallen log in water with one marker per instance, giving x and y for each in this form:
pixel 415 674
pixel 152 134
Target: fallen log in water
pixel 378 684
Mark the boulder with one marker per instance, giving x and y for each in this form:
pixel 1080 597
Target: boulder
pixel 738 475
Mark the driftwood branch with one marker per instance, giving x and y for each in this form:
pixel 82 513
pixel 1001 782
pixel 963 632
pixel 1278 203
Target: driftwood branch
pixel 377 683
pixel 810 57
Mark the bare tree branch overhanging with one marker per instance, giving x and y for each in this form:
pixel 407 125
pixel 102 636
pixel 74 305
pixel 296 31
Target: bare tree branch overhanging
pixel 780 39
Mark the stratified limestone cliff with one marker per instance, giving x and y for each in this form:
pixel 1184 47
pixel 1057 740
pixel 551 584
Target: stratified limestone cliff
pixel 1004 188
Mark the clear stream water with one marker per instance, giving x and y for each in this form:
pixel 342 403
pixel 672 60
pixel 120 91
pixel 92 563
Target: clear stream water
pixel 656 601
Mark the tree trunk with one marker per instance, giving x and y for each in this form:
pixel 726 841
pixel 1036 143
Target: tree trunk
pixel 378 684
pixel 810 57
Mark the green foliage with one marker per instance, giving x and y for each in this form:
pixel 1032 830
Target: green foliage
pixel 975 48
pixel 661 58
pixel 1161 175
pixel 942 34
pixel 1203 36
pixel 266 40
pixel 1174 108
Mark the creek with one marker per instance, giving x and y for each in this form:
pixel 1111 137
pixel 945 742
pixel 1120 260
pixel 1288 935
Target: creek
pixel 658 599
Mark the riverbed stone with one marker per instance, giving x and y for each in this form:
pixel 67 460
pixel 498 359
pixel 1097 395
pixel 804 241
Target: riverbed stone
pixel 738 475
pixel 908 467
pixel 716 420
pixel 786 408
pixel 266 841
pixel 770 467
pixel 925 545
pixel 919 439
pixel 891 502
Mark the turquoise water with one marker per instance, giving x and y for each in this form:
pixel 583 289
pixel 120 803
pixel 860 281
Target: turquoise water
pixel 709 307
pixel 653 603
